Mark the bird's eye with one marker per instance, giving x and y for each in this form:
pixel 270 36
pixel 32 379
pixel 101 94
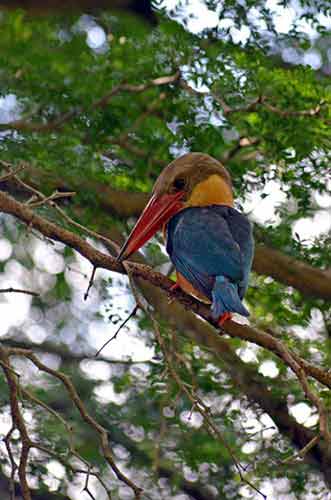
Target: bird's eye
pixel 179 184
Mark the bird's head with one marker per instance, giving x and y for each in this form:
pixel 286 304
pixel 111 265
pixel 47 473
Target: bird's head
pixel 194 179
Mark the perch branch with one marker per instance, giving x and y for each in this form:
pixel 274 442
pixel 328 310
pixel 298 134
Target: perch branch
pixel 102 260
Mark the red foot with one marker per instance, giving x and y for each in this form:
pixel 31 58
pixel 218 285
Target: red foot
pixel 225 317
pixel 174 287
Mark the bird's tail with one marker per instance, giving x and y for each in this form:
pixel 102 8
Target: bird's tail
pixel 226 298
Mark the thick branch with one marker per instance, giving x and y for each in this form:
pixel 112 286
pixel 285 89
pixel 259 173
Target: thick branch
pixel 99 259
pixel 111 200
pixel 156 287
pixel 243 375
pixel 305 278
pixel 309 280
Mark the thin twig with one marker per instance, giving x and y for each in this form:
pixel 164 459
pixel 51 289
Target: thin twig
pixel 58 122
pixel 122 325
pixel 12 173
pixel 199 405
pixel 18 422
pixel 242 143
pixel 90 283
pixel 64 353
pixel 68 464
pixel 103 435
pixel 86 485
pixel 253 105
pixel 50 202
pixel 195 400
pixel 18 290
pixel 54 196
pixel 13 464
pixel 291 360
pixel 303 452
pixel 102 260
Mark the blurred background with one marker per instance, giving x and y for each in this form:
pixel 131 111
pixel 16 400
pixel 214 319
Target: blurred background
pixel 96 97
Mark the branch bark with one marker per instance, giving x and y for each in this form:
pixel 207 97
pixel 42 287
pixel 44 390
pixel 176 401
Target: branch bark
pixel 309 280
pixel 18 422
pixel 99 259
pixel 156 288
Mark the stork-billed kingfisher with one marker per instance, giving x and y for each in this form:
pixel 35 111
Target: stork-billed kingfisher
pixel 209 242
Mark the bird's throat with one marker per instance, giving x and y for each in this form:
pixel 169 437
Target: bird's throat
pixel 212 191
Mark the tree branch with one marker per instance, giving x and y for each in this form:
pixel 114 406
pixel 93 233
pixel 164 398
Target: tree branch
pixel 262 101
pixel 309 280
pixel 65 354
pixel 76 400
pixel 58 122
pixel 18 422
pixel 99 259
pixel 156 288
pixel 19 290
pixel 111 200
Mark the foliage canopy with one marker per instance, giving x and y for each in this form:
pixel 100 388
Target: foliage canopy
pixel 99 105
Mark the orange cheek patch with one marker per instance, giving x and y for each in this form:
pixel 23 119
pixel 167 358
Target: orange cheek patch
pixel 212 191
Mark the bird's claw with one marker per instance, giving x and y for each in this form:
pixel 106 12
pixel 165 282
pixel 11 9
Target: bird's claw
pixel 225 317
pixel 173 288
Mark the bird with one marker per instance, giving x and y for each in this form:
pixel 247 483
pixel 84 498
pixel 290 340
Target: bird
pixel 209 241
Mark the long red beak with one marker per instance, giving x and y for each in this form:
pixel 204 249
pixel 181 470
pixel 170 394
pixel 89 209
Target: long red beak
pixel 156 213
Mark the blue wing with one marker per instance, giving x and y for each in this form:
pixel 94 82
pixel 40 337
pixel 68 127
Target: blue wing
pixel 212 247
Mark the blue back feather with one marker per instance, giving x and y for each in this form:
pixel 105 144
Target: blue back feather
pixel 212 247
